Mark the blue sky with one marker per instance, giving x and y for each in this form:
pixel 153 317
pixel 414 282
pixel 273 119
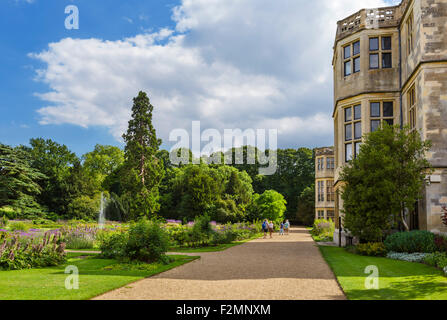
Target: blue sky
pixel 230 64
pixel 29 27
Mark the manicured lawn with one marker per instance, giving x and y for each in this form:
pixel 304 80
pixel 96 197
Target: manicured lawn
pixel 220 247
pixel 96 276
pixel 398 280
pixel 83 250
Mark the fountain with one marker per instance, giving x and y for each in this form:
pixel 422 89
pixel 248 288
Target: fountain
pixel 102 215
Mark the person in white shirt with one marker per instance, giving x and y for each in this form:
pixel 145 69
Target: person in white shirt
pixel 287 227
pixel 271 226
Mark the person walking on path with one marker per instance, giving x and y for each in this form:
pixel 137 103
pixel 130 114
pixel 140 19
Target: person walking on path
pixel 265 228
pixel 281 229
pixel 287 227
pixel 271 226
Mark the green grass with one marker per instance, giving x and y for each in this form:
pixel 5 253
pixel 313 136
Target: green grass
pixel 220 247
pixel 83 250
pixel 96 276
pixel 398 280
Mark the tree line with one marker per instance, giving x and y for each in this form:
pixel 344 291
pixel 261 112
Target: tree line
pixel 47 180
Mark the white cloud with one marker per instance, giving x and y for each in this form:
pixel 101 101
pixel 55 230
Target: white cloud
pixel 230 64
pixel 128 20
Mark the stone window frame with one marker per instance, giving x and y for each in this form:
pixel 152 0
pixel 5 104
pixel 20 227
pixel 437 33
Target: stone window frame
pixel 320 214
pixel 330 163
pixel 411 98
pixel 320 191
pixel 332 215
pixel 352 57
pixel 381 118
pixel 380 52
pixel 410 32
pixel 330 193
pixel 352 122
pixel 320 163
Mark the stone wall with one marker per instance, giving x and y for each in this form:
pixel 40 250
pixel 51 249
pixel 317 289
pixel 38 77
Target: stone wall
pixel 366 81
pixel 433 111
pixel 435 197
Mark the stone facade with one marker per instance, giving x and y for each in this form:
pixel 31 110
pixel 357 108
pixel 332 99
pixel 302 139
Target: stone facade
pixel 324 183
pixel 390 64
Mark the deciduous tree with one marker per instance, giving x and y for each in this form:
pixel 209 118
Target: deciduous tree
pixel 386 177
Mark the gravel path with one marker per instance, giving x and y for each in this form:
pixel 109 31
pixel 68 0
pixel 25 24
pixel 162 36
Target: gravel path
pixel 284 268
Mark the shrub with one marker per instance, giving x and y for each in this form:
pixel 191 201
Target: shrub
pixel 202 232
pixel 84 207
pixel 147 242
pixel 323 228
pixel 196 237
pixel 112 244
pixel 18 226
pixel 410 242
pixel 3 221
pixel 8 212
pixel 410 257
pixel 51 216
pixel 441 243
pixel 203 224
pixel 437 259
pixel 178 234
pixel 375 249
pixel 223 237
pixel 43 222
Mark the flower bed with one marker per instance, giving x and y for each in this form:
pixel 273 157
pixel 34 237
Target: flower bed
pixel 208 233
pixel 323 230
pixel 80 237
pixel 25 250
pixel 410 257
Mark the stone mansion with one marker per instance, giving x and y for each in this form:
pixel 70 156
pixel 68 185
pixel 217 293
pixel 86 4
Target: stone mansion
pixel 389 65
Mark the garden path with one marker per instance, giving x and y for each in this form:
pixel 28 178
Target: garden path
pixel 283 268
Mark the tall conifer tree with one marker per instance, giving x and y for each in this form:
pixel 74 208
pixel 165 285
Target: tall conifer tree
pixel 144 170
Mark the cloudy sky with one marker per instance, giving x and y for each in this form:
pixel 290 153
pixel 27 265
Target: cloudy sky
pixel 227 63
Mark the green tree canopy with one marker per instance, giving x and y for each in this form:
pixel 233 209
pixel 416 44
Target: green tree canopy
pixel 19 182
pixel 102 162
pixel 223 192
pixel 306 206
pixel 387 176
pixel 56 162
pixel 194 191
pixel 295 172
pixel 270 205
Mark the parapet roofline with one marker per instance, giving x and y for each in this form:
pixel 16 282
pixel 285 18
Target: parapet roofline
pixel 372 18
